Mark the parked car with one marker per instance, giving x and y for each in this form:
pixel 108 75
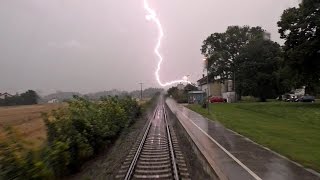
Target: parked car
pixel 217 99
pixel 291 98
pixel 307 98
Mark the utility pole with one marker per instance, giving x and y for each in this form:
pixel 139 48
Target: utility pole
pixel 208 86
pixel 234 86
pixel 141 91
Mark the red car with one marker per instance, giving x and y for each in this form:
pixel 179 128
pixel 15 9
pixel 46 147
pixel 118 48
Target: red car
pixel 217 100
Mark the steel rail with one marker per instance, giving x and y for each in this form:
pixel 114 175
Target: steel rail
pixel 137 154
pixel 173 158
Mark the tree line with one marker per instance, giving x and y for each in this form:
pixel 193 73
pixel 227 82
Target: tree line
pixel 181 95
pixel 27 98
pixel 262 68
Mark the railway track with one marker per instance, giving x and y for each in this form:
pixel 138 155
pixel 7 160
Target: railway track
pixel 157 154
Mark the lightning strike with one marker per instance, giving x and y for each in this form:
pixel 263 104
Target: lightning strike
pixel 152 16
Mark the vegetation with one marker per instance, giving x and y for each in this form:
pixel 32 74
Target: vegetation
pixel 291 129
pixel 248 56
pixel 65 96
pixel 181 96
pixel 221 49
pixel 74 134
pixel 260 67
pixel 300 28
pixel 28 98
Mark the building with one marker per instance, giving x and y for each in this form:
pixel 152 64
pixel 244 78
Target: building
pixel 196 97
pixel 5 95
pixel 53 101
pixel 217 88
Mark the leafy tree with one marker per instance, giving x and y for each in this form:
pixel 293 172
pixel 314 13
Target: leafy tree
pixel 190 87
pixel 258 65
pixel 171 91
pixel 300 27
pixel 29 97
pixel 221 49
pixel 181 96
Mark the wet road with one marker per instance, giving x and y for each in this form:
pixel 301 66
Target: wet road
pixel 234 156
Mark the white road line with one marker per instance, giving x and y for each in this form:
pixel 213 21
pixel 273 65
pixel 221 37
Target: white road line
pixel 226 151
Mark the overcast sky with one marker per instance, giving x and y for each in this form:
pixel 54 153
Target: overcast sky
pixel 94 45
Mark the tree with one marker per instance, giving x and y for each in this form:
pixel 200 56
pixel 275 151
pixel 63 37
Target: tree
pixel 300 28
pixel 29 97
pixel 258 65
pixel 181 96
pixel 171 91
pixel 190 87
pixel 221 49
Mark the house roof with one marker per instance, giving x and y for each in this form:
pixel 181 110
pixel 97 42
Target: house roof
pixel 204 80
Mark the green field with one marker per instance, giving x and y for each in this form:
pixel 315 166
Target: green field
pixel 291 129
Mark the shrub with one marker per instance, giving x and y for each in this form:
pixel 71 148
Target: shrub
pixel 74 134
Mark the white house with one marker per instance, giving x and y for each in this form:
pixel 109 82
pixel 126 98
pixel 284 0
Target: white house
pixel 217 88
pixel 53 101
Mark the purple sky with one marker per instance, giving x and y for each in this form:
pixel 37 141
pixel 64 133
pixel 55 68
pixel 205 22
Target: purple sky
pixel 94 45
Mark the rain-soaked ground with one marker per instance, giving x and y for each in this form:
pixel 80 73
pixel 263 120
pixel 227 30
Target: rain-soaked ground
pixel 234 156
pixel 107 164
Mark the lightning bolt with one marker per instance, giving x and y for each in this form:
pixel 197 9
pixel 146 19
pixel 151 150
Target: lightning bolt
pixel 152 16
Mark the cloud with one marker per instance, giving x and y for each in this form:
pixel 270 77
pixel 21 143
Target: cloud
pixel 71 44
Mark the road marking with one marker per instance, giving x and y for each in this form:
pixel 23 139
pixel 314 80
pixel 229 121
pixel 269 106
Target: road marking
pixel 226 151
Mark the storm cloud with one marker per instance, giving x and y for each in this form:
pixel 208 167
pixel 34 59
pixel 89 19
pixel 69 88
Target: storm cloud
pixel 93 45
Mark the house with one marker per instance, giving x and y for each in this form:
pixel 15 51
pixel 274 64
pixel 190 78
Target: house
pixel 53 101
pixel 5 95
pixel 217 88
pixel 196 97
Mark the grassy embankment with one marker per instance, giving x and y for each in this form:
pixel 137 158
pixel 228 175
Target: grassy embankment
pixel 291 129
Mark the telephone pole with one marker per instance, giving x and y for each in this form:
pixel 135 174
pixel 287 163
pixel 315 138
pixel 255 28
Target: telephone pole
pixel 141 91
pixel 206 61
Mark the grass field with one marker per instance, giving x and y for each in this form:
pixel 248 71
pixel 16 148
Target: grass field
pixel 26 121
pixel 291 129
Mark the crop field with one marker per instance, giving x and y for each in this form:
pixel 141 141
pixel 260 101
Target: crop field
pixel 26 122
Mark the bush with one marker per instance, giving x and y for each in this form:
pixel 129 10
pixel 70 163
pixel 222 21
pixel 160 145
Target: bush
pixel 74 134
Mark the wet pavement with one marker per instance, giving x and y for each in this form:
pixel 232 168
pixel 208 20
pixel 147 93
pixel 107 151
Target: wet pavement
pixel 233 156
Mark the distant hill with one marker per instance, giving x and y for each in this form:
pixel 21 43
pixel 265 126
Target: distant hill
pixel 98 95
pixel 61 96
pixel 146 93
